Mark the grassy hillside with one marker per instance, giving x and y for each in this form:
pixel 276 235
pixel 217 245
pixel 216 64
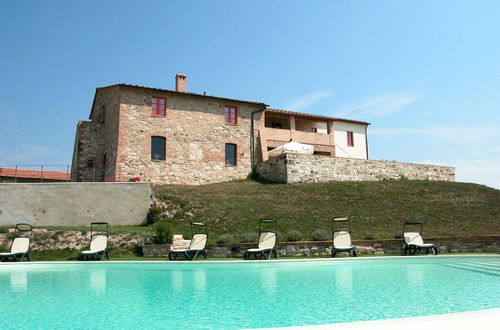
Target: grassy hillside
pixel 378 209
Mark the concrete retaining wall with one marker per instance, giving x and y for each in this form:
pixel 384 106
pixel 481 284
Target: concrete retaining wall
pixel 291 168
pixel 74 204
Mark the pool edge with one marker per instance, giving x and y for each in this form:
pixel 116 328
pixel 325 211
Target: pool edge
pixel 480 319
pixel 305 260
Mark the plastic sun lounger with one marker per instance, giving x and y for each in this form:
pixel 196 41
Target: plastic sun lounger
pixel 98 248
pixel 20 245
pixel 267 241
pixel 19 249
pixel 414 242
pixel 197 245
pixel 342 238
pixel 342 243
pixel 98 243
pixel 267 244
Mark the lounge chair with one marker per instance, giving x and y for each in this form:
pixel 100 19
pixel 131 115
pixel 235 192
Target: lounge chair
pixel 342 237
pixel 414 242
pixel 267 242
pixel 20 245
pixel 197 245
pixel 98 243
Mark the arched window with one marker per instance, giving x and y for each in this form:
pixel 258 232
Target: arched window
pixel 158 145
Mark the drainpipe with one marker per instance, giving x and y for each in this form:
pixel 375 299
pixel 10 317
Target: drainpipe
pixel 252 139
pixel 366 141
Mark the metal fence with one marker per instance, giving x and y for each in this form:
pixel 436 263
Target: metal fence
pixel 34 173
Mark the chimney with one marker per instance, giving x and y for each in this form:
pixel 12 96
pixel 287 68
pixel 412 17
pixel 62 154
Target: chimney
pixel 181 82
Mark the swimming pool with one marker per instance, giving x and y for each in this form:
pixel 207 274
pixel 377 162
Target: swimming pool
pixel 243 294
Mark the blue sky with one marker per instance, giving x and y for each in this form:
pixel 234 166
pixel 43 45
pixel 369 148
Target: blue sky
pixel 425 74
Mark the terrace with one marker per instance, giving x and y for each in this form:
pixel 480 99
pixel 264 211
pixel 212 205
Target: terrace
pixel 281 127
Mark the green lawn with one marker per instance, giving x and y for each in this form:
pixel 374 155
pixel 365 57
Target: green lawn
pixel 378 209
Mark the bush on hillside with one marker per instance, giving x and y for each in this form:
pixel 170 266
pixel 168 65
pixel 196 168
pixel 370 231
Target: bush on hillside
pixel 155 214
pixel 321 235
pixel 293 235
pixel 225 238
pixel 250 237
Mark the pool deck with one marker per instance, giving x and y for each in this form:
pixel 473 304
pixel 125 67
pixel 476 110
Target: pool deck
pixel 483 319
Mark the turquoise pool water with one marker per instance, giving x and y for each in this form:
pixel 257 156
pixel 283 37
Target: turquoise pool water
pixel 242 295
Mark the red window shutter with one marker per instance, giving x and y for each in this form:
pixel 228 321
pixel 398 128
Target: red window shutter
pixel 230 115
pixel 158 106
pixel 350 139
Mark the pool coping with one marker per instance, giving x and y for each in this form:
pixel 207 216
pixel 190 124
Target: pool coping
pixel 480 319
pixel 241 261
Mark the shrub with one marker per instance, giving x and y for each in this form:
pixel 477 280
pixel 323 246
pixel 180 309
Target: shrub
pixel 250 237
pixel 321 235
pixel 369 236
pixel 225 238
pixel 293 235
pixel 164 232
pixel 155 214
pixel 146 240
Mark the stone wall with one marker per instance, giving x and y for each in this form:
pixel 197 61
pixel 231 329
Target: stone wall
pixel 97 140
pixel 118 139
pixel 490 243
pixel 195 135
pixel 87 165
pixel 74 204
pixel 292 168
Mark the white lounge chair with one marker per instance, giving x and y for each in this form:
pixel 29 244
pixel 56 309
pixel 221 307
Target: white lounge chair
pixel 98 248
pixel 98 243
pixel 19 249
pixel 414 242
pixel 342 237
pixel 197 245
pixel 20 245
pixel 267 242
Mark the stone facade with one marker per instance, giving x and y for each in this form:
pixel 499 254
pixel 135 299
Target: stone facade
pixel 293 168
pixel 116 144
pixel 88 148
pixel 195 135
pixel 95 151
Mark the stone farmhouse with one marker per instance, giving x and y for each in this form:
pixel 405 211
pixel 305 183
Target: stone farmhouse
pixel 177 137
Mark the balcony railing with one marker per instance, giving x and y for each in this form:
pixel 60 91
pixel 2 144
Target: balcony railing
pixel 296 136
pixel 34 173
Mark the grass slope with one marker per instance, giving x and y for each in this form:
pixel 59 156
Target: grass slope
pixel 378 209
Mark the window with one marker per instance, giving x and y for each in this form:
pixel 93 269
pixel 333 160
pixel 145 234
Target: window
pixel 230 154
pixel 158 106
pixel 157 148
pixel 230 114
pixel 350 139
pixel 313 129
pixel 275 125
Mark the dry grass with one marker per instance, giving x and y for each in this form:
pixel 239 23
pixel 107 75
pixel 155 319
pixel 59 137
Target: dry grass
pixel 378 209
